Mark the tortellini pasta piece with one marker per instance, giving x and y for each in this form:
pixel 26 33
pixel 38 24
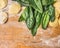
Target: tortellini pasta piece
pixel 56 13
pixel 3 17
pixel 3 3
pixel 14 8
pixel 57 6
pixel 54 24
pixel 59 21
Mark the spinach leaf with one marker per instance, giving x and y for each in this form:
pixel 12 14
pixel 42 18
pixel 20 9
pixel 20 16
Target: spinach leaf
pixel 51 12
pixel 23 2
pixel 37 24
pixel 48 2
pixel 24 15
pixel 45 20
pixel 30 19
pixel 37 5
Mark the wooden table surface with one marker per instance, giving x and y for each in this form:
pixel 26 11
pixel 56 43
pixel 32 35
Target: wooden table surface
pixel 15 34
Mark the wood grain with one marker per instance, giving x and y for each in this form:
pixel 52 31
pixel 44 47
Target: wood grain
pixel 15 34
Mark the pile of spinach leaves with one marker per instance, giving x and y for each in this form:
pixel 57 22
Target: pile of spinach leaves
pixel 36 13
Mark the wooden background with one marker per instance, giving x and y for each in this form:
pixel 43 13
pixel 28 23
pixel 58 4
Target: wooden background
pixel 15 34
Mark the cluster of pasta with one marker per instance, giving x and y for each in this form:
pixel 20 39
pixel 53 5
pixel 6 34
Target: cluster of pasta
pixel 56 23
pixel 11 9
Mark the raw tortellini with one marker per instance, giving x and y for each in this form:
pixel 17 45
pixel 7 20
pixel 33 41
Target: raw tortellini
pixel 14 8
pixel 57 12
pixel 3 17
pixel 59 21
pixel 57 6
pixel 54 24
pixel 3 3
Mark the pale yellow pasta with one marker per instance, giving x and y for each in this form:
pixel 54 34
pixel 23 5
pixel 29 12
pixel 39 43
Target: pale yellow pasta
pixel 56 13
pixel 3 17
pixel 57 6
pixel 59 21
pixel 3 3
pixel 54 24
pixel 14 8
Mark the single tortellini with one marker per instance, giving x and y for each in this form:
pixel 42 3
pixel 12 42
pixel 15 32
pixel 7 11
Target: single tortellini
pixel 14 8
pixel 56 13
pixel 3 17
pixel 54 24
pixel 3 3
pixel 59 21
pixel 57 6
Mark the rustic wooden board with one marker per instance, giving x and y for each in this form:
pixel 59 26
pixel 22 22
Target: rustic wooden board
pixel 14 34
